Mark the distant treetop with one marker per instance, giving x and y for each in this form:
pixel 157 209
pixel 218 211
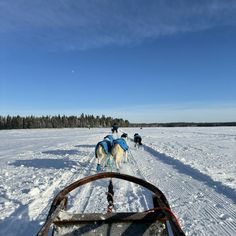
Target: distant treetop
pixel 82 121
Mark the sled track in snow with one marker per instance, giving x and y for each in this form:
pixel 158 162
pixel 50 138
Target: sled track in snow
pixel 203 196
pixel 128 196
pixel 205 199
pixel 141 195
pixel 85 168
pixel 194 173
pixel 59 183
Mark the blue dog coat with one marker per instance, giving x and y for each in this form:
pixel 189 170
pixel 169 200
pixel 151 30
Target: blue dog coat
pixel 110 138
pixel 122 143
pixel 106 145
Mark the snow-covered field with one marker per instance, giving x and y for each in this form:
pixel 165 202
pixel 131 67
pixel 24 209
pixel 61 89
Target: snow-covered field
pixel 194 167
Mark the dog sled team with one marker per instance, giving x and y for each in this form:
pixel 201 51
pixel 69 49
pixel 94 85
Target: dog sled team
pixel 110 150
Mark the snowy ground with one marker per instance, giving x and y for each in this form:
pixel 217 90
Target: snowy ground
pixel 194 167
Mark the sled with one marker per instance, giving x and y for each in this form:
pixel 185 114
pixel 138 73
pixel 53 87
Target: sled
pixel 156 221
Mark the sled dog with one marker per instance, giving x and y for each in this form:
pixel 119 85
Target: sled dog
pixel 137 140
pixel 103 150
pixel 119 150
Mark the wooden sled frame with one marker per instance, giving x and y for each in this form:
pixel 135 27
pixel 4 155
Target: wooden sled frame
pixel 161 213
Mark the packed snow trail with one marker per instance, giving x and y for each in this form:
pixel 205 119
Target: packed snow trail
pixel 193 200
pixel 43 175
pixel 37 164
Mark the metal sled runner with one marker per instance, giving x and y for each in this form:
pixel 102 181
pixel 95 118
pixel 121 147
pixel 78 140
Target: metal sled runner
pixel 156 221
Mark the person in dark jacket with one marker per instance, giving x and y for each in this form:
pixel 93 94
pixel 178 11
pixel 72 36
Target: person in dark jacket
pixel 114 128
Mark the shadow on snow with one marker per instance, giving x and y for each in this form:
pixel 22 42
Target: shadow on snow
pixel 62 152
pixel 23 225
pixel 194 173
pixel 86 145
pixel 45 163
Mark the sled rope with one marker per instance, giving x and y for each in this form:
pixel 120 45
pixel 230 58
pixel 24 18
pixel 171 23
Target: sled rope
pixel 110 164
pixel 110 197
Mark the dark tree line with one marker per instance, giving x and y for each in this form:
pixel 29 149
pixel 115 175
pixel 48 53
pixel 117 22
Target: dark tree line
pixel 183 124
pixel 89 121
pixel 32 122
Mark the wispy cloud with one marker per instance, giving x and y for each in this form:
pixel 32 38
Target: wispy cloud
pixel 82 24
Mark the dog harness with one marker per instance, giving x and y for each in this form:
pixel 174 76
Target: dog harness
pixel 122 143
pixel 110 138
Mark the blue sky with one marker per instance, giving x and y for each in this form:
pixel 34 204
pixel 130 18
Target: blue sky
pixel 141 60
